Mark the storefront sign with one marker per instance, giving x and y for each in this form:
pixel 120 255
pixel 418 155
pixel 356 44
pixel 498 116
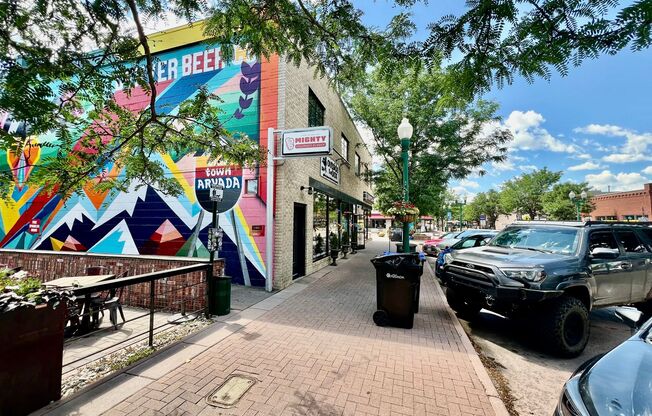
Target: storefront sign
pixel 316 141
pixel 330 170
pixel 230 177
pixel 34 226
pixel 368 198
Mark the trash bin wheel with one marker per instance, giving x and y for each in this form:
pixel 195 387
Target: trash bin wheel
pixel 381 318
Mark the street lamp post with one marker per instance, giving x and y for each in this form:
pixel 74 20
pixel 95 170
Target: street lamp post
pixel 214 242
pixel 578 202
pixel 405 131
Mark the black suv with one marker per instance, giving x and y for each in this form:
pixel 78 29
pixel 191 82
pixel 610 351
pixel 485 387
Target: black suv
pixel 559 271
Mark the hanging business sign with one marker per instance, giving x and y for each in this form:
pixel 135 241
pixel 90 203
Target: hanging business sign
pixel 315 141
pixel 230 177
pixel 368 198
pixel 330 170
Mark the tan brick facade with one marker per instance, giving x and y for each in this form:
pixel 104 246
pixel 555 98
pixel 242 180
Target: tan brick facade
pixel 629 205
pixel 294 86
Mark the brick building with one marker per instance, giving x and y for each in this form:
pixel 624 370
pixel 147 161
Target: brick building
pixel 623 206
pixel 256 95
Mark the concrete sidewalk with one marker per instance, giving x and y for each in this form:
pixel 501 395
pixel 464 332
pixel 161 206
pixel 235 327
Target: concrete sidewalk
pixel 313 349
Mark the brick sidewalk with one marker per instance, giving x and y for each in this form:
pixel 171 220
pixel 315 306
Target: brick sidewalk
pixel 319 353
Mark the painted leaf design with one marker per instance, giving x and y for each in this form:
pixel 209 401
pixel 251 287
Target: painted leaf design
pixel 245 102
pixel 248 87
pixel 238 114
pixel 255 69
pixel 246 69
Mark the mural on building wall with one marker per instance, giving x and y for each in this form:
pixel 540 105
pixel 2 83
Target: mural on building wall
pixel 145 221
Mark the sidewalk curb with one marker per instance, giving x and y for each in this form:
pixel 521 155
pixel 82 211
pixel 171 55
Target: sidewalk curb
pixel 496 403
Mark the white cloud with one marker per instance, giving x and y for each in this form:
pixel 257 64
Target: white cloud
pixel 528 167
pixel 648 170
pixel 606 180
pixel 503 166
pixel 462 192
pixel 637 146
pixel 586 166
pixel 469 184
pixel 529 135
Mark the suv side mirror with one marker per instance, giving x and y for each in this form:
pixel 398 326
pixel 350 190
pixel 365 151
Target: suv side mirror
pixel 604 253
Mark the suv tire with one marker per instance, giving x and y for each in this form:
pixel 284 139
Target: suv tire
pixel 465 308
pixel 566 326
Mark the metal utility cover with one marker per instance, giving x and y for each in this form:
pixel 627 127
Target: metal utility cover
pixel 231 391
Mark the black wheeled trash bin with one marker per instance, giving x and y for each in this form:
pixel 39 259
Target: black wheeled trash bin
pixel 397 288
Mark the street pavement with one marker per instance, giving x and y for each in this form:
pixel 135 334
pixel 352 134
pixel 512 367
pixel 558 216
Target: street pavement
pixel 313 349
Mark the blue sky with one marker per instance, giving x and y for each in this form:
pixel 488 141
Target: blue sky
pixel 595 124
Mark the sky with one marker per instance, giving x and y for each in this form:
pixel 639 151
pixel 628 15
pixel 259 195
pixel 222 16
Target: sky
pixel 594 125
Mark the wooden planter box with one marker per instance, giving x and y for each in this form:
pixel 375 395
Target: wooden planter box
pixel 31 354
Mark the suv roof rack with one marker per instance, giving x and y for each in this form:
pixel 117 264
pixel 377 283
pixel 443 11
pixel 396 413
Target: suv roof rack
pixel 546 222
pixel 639 223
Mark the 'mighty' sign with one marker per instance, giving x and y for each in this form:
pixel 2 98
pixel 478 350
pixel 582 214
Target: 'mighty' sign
pixel 316 141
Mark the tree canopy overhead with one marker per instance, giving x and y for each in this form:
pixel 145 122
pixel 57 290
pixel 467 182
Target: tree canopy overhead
pixel 47 76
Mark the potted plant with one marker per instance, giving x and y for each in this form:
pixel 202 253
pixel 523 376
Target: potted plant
pixel 345 243
pixel 404 212
pixel 32 322
pixel 319 244
pixel 335 248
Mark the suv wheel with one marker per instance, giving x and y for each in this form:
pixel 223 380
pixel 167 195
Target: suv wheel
pixel 464 307
pixel 566 325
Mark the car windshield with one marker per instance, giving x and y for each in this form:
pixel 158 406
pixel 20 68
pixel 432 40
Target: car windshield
pixel 466 233
pixel 558 240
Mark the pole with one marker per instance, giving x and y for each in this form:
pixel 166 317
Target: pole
pixel 405 144
pixel 269 211
pixel 577 207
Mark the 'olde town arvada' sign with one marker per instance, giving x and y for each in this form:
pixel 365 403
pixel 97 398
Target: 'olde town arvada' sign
pixel 316 141
pixel 230 177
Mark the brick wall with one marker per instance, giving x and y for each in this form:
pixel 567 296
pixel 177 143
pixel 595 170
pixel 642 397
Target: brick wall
pixel 620 204
pixel 169 293
pixel 291 174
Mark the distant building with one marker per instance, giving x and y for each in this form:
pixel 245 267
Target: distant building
pixel 623 206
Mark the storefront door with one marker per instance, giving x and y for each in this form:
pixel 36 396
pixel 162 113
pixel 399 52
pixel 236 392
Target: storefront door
pixel 299 241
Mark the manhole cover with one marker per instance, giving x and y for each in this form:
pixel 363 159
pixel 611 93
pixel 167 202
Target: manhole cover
pixel 231 391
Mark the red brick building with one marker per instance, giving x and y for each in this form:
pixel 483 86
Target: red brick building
pixel 622 206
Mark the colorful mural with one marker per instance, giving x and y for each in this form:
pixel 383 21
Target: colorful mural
pixel 145 221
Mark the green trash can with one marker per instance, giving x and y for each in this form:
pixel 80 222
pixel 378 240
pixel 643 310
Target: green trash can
pixel 221 295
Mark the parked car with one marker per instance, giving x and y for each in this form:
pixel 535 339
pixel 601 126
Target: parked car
pixel 430 246
pixel 450 240
pixel 559 271
pixel 616 383
pixel 477 240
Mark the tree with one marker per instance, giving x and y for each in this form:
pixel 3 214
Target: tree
pixel 524 194
pixel 448 139
pixel 52 85
pixel 485 203
pixel 558 206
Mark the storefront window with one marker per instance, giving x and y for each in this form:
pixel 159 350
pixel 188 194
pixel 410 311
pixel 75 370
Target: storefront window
pixel 333 220
pixel 319 225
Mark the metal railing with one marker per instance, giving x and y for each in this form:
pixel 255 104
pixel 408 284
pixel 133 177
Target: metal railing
pixel 86 292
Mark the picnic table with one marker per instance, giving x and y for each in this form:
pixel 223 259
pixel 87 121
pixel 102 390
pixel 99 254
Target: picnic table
pixel 71 282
